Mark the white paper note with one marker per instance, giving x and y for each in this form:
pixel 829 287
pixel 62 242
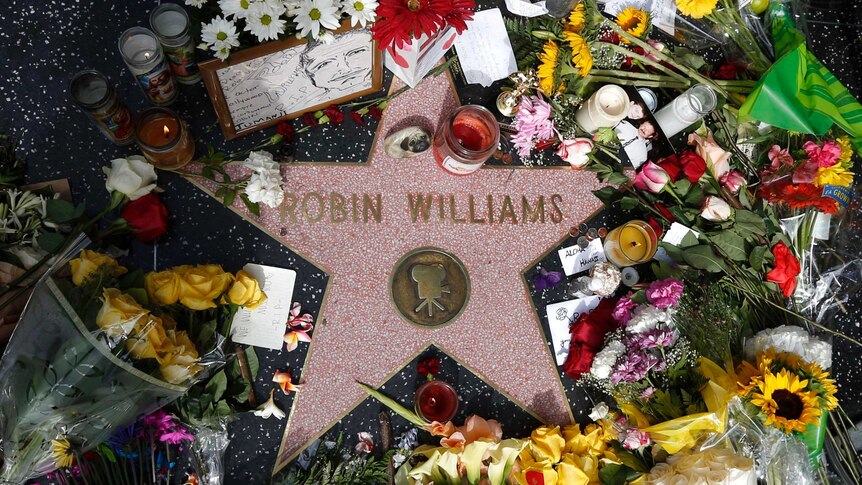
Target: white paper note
pixel 265 325
pixel 525 8
pixel 484 50
pixel 560 318
pixel 673 236
pixel 576 259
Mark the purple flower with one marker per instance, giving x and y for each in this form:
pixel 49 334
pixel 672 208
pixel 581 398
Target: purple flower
pixel 633 367
pixel 546 279
pixel 623 311
pixel 656 337
pixel 532 121
pixel 647 393
pixel 665 293
pixel 158 422
pixel 176 436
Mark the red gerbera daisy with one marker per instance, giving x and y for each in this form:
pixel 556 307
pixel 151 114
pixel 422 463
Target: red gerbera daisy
pixel 459 13
pixel 398 21
pixel 801 196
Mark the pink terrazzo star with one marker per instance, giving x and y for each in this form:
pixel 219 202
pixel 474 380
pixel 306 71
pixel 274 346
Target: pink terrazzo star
pixel 364 339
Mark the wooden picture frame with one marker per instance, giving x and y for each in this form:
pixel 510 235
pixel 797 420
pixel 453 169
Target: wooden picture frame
pixel 258 88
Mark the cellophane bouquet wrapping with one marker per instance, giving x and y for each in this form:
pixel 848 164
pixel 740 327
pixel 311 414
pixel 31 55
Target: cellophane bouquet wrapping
pixel 95 350
pixel 208 453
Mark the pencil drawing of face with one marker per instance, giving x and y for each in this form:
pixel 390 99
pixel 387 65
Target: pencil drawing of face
pixel 342 65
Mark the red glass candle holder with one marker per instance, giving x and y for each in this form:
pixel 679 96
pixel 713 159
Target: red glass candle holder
pixel 436 401
pixel 466 140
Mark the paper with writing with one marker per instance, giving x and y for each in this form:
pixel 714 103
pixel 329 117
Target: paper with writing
pixel 560 318
pixel 484 50
pixel 525 8
pixel 265 325
pixel 576 259
pixel 673 236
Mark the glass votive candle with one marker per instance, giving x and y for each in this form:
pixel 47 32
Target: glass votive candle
pixel 605 108
pixel 96 97
pixel 170 22
pixel 632 243
pixel 143 55
pixel 689 107
pixel 466 140
pixel 164 138
pixel 436 401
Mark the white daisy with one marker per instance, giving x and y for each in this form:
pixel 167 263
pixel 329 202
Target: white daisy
pixel 312 14
pixel 220 33
pixel 222 53
pixel 264 21
pixel 326 37
pixel 196 3
pixel 360 11
pixel 237 8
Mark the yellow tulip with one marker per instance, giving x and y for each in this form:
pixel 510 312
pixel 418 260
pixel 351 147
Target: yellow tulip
pixel 202 285
pixel 547 443
pixel 163 287
pixel 246 291
pixel 119 313
pixel 90 261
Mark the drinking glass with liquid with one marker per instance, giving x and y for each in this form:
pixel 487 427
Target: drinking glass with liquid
pixel 466 140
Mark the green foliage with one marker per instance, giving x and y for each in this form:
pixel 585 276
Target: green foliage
pixel 339 466
pixel 707 317
pixel 528 37
pixel 12 168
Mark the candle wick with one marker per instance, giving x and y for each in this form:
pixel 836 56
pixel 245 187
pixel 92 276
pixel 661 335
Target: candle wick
pixel 432 401
pixel 635 244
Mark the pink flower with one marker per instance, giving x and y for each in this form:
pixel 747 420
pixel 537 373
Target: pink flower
pixel 366 443
pixel 576 151
pixel 636 438
pixel 652 178
pixel 779 156
pixel 533 121
pixel 733 181
pixel 665 293
pixel 805 173
pixel 715 209
pixel 158 422
pixel 623 311
pixel 826 155
pixel 717 159
pixel 177 436
pixel 659 46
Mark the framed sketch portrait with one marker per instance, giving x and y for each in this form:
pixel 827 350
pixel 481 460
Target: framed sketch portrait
pixel 285 79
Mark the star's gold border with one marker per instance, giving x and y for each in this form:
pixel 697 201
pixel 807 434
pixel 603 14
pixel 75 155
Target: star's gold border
pixel 280 464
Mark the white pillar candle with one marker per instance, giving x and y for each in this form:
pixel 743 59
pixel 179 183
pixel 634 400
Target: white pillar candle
pixel 686 109
pixel 605 108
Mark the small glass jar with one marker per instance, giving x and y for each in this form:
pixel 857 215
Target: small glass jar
pixel 632 243
pixel 170 22
pixel 436 401
pixel 164 138
pixel 143 55
pixel 466 140
pixel 96 97
pixel 689 107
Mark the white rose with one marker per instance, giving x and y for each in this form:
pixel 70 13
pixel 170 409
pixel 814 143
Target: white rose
pixel 261 162
pixel 715 209
pixel 576 151
pixel 132 177
pixel 599 411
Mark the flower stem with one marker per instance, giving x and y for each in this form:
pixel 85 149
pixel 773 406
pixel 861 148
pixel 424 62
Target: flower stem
pixel 628 82
pixel 656 65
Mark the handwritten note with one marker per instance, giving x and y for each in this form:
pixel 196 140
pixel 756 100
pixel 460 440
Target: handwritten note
pixel 526 8
pixel 576 259
pixel 560 318
pixel 675 236
pixel 265 325
pixel 484 49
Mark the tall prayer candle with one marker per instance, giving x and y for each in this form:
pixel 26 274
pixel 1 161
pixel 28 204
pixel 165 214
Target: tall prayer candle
pixel 686 109
pixel 170 22
pixel 143 55
pixel 95 95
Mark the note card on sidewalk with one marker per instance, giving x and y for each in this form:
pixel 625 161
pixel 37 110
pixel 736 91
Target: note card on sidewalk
pixel 265 325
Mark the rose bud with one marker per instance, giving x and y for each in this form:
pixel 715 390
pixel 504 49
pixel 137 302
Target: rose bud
pixel 715 209
pixel 147 217
pixel 652 178
pixel 576 151
pixel 733 181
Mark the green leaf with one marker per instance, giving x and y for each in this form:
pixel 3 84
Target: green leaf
pixel 681 187
pixel 608 195
pixel 50 241
pixel 229 197
pixel 758 257
pixel 703 257
pixel 688 240
pixel 617 178
pixel 628 203
pixel 253 207
pixel 205 339
pixel 674 252
pixel 694 197
pixel 207 172
pixel 132 279
pixel 140 295
pixel 731 244
pixel 60 211
pixel 614 474
pixel 747 223
pixel 217 385
pixel 253 362
pixel 744 198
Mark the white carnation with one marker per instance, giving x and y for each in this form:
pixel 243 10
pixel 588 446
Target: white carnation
pixel 605 360
pixel 647 317
pixel 790 339
pixel 265 188
pixel 260 162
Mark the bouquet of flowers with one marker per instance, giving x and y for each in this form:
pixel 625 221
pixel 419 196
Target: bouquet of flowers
pixel 98 348
pixel 719 466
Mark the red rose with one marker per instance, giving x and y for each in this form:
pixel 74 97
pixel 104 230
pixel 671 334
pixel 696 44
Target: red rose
pixel 334 114
pixel 665 211
pixel 308 119
pixel 429 365
pixel 357 118
pixel 286 130
pixel 588 337
pixel 656 226
pixel 375 112
pixel 786 269
pixel 147 216
pixel 671 165
pixel 727 71
pixel 693 165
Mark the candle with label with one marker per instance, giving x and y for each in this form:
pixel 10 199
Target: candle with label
pixel 466 140
pixel 686 109
pixel 632 243
pixel 97 97
pixel 605 108
pixel 436 401
pixel 143 55
pixel 170 22
pixel 164 138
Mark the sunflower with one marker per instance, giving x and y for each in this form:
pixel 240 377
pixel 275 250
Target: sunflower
pixel 577 19
pixel 581 57
pixel 634 21
pixel 748 377
pixel 822 383
pixel 786 402
pixel 548 68
pixel 835 175
pixel 696 9
pixel 61 451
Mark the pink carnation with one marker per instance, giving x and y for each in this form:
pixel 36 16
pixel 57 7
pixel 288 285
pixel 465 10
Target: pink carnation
pixel 636 438
pixel 665 293
pixel 826 155
pixel 623 311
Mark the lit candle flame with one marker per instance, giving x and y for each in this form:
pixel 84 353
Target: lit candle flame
pixel 167 131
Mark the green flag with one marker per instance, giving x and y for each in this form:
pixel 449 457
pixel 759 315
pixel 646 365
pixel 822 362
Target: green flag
pixel 798 93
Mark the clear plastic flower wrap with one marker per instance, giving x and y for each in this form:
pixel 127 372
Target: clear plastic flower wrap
pixel 66 381
pixel 208 452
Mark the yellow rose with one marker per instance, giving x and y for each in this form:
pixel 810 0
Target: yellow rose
pixel 201 285
pixel 88 262
pixel 547 443
pixel 163 287
pixel 119 313
pixel 549 475
pixel 246 291
pixel 570 473
pixel 149 340
pixel 180 366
